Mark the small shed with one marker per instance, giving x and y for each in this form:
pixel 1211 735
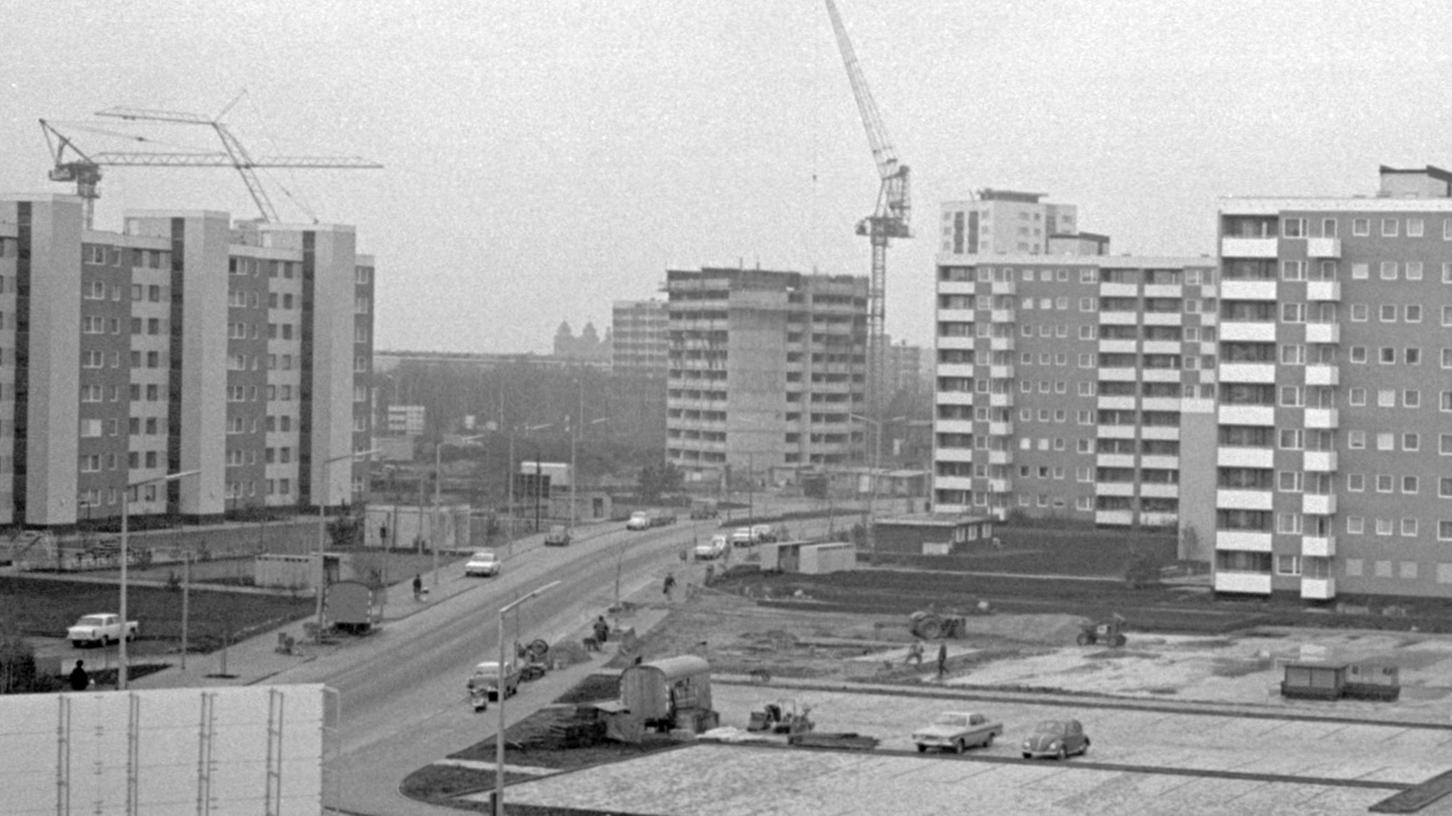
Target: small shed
pixel 1314 681
pixel 663 695
pixel 808 558
pixel 932 534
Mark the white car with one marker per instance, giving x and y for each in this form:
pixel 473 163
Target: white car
pixel 484 563
pixel 713 549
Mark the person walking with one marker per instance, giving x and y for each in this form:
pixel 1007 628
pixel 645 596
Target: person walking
pixel 668 584
pixel 80 678
pixel 942 660
pixel 602 630
pixel 417 587
pixel 915 653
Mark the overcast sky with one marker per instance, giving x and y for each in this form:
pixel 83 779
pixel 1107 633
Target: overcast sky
pixel 545 158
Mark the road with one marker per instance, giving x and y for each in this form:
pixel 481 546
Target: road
pixel 401 692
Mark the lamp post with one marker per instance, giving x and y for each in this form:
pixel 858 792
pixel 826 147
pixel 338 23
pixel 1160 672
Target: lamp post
pixel 323 532
pixel 438 480
pixel 499 734
pixel 126 557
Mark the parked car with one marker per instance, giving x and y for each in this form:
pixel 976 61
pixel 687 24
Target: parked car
pixel 558 536
pixel 486 676
pixel 713 549
pixel 763 533
pixel 704 509
pixel 484 562
pixel 639 520
pixel 741 537
pixel 1056 738
pixel 101 629
pixel 957 731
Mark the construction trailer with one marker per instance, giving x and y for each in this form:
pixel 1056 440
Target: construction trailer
pixel 807 558
pixel 670 694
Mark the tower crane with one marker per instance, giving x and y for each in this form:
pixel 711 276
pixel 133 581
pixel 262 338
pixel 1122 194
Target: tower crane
pixel 84 169
pixel 889 219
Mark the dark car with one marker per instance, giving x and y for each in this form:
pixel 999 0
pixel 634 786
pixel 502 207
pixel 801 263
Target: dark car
pixel 1056 738
pixel 558 536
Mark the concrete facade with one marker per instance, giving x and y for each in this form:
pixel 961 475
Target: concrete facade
pixel 181 343
pixel 767 372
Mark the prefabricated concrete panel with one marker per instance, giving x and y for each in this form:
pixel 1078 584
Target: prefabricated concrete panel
pixel 169 752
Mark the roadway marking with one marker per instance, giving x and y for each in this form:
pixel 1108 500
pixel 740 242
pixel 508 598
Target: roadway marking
pixel 481 765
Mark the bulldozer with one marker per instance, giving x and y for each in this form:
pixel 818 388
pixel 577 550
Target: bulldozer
pixel 931 625
pixel 1109 632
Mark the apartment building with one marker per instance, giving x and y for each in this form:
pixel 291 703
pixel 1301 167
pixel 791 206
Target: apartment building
pixel 767 372
pixel 639 361
pixel 180 343
pixel 1334 461
pixel 1073 387
pixel 1006 222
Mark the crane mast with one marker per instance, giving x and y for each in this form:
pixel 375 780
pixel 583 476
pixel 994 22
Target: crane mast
pixel 85 168
pixel 890 219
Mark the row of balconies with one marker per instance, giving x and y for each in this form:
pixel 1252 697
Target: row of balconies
pixel 1313 504
pixel 1248 541
pixel 1125 518
pixel 1259 583
pixel 1315 418
pixel 1270 247
pixel 1264 458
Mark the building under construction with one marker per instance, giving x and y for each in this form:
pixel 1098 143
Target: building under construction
pixel 767 373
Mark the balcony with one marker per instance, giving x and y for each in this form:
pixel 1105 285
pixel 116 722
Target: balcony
pixel 1002 316
pixel 1248 290
pixel 958 426
pixel 1003 288
pixel 1119 374
pixel 1000 485
pixel 1257 332
pixel 1242 541
pixel 1000 344
pixel 954 455
pixel 1323 332
pixel 1246 457
pixel 1000 372
pixel 953 482
pixel 1159 519
pixel 1240 414
pixel 955 369
pixel 1323 290
pixel 1163 347
pixel 1119 290
pixel 956 315
pixel 1159 462
pixel 1118 318
pixel 954 398
pixel 955 342
pixel 1000 429
pixel 1118 346
pixel 1114 518
pixel 1243 499
pixel 1318 546
pixel 1114 431
pixel 1168 433
pixel 956 287
pixel 1171 375
pixel 1319 462
pixel 1116 403
pixel 1163 318
pixel 1318 589
pixel 1161 404
pixel 1249 583
pixel 1114 460
pixel 1159 491
pixel 1322 418
pixel 1004 400
pixel 1247 372
pixel 1323 247
pixel 1249 247
pixel 1318 504
pixel 1323 375
pixel 1114 488
pixel 1000 457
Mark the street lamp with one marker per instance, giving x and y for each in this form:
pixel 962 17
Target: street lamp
pixel 499 734
pixel 438 480
pixel 322 533
pixel 126 557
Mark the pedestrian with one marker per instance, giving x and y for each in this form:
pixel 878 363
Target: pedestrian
pixel 669 584
pixel 942 660
pixel 915 653
pixel 602 630
pixel 80 678
pixel 417 587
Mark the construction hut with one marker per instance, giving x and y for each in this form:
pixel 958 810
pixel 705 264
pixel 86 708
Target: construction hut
pixel 670 694
pixel 808 558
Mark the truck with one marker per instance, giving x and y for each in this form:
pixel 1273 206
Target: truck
pixel 486 679
pixel 100 629
pixel 957 731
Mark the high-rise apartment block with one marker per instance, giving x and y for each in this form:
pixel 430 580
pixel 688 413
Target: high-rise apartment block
pixel 1070 386
pixel 639 338
pixel 1004 222
pixel 1334 464
pixel 181 343
pixel 767 371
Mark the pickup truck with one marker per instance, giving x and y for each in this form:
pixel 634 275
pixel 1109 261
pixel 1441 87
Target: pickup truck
pixel 957 730
pixel 100 629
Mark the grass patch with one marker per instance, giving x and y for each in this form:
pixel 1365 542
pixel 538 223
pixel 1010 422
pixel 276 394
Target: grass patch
pixel 1225 667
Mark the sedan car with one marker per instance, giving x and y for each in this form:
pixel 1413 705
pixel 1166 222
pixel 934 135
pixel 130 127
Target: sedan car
pixel 484 563
pixel 957 731
pixel 1056 738
pixel 741 537
pixel 709 550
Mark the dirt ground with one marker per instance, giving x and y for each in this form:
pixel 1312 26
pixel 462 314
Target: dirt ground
pixel 1038 651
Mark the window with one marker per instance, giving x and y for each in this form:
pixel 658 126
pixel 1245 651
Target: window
pixel 1447 358
pixel 1410 485
pixel 1357 354
pixel 1444 487
pixel 1386 398
pixel 1387 355
pixel 1356 396
pixel 1361 226
pixel 1383 483
pixel 1355 525
pixel 1412 355
pixel 1293 227
pixel 1409 527
pixel 1355 440
pixel 1414 270
pixel 1414 227
pixel 1389 227
pixel 1288 565
pixel 1383 527
pixel 1293 270
pixel 1412 313
pixel 1444 531
pixel 1411 398
pixel 1355 482
pixel 1359 312
pixel 1360 271
pixel 1387 313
